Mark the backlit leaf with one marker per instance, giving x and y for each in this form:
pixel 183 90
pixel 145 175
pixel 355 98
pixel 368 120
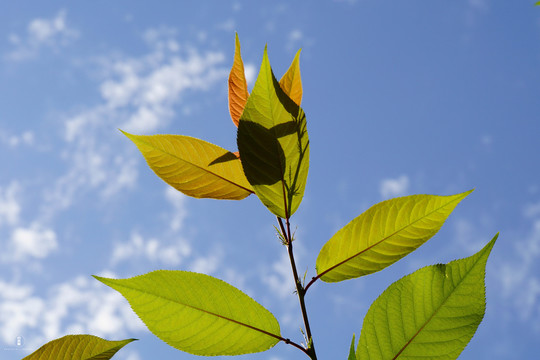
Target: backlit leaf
pixel 78 347
pixel 199 314
pixel 352 352
pixel 430 314
pixel 291 82
pixel 238 91
pixel 383 234
pixel 195 167
pixel 273 143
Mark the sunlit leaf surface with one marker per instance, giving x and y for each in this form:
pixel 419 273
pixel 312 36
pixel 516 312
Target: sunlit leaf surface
pixel 430 314
pixel 238 91
pixel 352 353
pixel 273 144
pixel 194 167
pixel 383 234
pixel 198 314
pixel 291 82
pixel 78 347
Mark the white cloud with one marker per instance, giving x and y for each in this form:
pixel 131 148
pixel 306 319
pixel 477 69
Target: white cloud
pixel 128 355
pixel 486 140
pixel 279 278
pixel 295 35
pixel 9 204
pixel 139 95
pixel 178 202
pixel 33 242
pixel 170 253
pixel 52 33
pixel 279 281
pixel 207 264
pixel 467 236
pixel 227 25
pixel 293 38
pixel 162 87
pixel 152 249
pixel 532 210
pixel 394 187
pixel 13 141
pixel 251 71
pixel 520 276
pixel 125 176
pixel 81 305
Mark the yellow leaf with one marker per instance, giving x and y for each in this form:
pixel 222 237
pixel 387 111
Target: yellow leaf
pixel 78 347
pixel 238 92
pixel 383 234
pixel 194 167
pixel 291 82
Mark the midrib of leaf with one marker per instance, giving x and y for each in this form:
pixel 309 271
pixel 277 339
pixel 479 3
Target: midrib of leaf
pixel 270 85
pixel 207 312
pixel 385 238
pixel 195 165
pixel 438 308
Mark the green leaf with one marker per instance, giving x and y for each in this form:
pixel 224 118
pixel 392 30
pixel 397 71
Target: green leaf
pixel 238 91
pixel 430 314
pixel 352 355
pixel 194 167
pixel 273 142
pixel 198 314
pixel 383 234
pixel 291 82
pixel 78 347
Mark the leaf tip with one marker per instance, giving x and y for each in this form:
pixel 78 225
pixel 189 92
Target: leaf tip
pixel 492 242
pixel 103 280
pixel 128 135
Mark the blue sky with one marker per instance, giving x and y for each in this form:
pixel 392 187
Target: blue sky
pixel 401 98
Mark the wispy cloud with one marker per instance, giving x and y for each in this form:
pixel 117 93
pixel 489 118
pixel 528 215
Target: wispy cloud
pixel 80 305
pixel 9 204
pixel 153 250
pixel 207 264
pixel 24 241
pixel 32 242
pixel 520 276
pixel 278 278
pixel 140 95
pixel 294 38
pixel 520 273
pixel 13 141
pixel 178 203
pixel 279 282
pixel 52 33
pixel 394 187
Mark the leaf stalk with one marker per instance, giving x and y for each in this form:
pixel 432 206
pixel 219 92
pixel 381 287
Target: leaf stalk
pixel 286 233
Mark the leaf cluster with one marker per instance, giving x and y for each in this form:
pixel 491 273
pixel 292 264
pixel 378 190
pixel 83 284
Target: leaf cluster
pixel 432 313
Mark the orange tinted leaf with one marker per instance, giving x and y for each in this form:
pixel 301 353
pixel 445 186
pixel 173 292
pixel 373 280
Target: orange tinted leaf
pixel 194 167
pixel 291 82
pixel 238 92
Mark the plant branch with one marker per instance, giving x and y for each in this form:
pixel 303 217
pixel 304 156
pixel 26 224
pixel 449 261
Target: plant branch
pixel 313 279
pixel 286 233
pixel 288 341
